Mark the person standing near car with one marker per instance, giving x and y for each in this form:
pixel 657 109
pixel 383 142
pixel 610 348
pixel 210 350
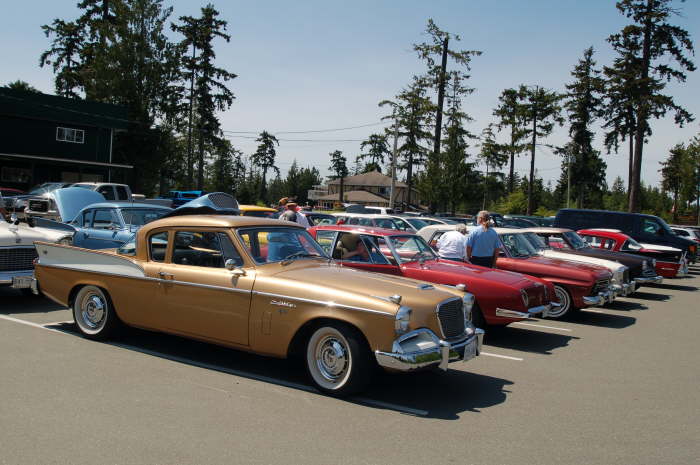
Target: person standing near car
pixel 482 242
pixel 452 245
pixel 291 214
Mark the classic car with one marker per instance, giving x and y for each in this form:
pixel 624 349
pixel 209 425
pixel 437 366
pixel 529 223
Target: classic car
pixel 641 269
pixel 577 285
pixel 179 198
pixel 106 225
pixel 7 196
pixel 621 282
pixel 38 195
pixel 374 220
pixel 687 232
pixel 17 251
pixel 501 297
pixel 318 219
pixel 264 286
pixel 668 262
pixel 256 210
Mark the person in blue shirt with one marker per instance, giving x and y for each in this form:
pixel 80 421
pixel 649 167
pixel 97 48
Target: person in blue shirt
pixel 482 242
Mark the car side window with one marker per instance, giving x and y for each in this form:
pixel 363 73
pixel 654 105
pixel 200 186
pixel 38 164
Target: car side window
pixel 157 246
pixel 198 248
pixel 325 240
pixel 105 219
pixel 121 193
pixel 592 240
pixel 436 237
pixel 350 247
pixel 385 250
pixel 107 192
pixel 375 254
pixel 650 226
pixel 229 250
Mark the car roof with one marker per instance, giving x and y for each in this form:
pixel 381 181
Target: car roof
pixel 255 208
pixel 126 205
pixel 545 230
pixel 363 230
pixel 220 221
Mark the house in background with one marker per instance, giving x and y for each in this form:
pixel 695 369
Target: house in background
pixel 371 189
pixel 46 138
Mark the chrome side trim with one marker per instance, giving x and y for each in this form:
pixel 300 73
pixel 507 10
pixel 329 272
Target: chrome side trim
pixel 328 303
pixel 204 286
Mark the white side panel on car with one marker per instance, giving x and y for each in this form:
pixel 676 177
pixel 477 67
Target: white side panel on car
pixel 87 260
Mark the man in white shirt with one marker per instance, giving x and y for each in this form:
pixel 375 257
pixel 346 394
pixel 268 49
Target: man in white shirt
pixel 452 245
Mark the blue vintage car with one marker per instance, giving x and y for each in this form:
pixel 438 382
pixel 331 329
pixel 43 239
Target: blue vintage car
pixel 108 225
pixel 180 198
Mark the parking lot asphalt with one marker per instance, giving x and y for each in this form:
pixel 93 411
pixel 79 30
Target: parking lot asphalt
pixel 617 384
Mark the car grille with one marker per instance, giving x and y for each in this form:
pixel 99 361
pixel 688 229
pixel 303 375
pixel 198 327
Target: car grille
pixel 601 286
pixel 17 258
pixel 38 205
pixel 451 317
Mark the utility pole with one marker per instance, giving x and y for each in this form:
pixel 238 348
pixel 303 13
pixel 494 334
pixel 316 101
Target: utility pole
pixel 392 193
pixel 532 158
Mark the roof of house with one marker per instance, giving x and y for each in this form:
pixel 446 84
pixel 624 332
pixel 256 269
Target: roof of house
pixel 372 178
pixel 356 196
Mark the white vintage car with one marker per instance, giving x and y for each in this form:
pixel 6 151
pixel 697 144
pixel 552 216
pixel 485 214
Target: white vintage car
pixel 17 251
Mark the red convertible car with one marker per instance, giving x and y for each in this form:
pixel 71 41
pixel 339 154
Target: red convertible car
pixel 668 261
pixel 501 297
pixel 577 285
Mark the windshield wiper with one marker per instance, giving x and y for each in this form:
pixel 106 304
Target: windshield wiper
pixel 290 258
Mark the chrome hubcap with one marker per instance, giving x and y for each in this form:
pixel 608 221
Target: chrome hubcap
pixel 563 302
pixel 331 358
pixel 93 310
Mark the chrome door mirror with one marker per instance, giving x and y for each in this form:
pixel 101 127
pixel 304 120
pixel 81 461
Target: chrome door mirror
pixel 236 270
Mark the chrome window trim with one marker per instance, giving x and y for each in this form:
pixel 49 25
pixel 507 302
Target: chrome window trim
pixel 326 303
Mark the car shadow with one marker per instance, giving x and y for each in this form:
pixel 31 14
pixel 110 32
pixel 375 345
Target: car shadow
pixel 526 340
pixel 674 287
pixel 411 394
pixel 649 296
pixel 625 305
pixel 15 302
pixel 603 320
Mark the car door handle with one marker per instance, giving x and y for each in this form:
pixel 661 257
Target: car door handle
pixel 164 275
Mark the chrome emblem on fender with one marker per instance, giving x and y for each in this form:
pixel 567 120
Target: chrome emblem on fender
pixel 283 303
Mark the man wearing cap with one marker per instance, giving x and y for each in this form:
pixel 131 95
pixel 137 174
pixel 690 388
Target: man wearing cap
pixel 452 245
pixel 482 242
pixel 295 216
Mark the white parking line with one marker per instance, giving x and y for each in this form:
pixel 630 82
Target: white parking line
pixel 541 326
pixel 244 374
pixel 594 311
pixel 507 357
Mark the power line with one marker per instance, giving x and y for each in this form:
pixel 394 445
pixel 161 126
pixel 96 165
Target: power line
pixel 311 130
pixel 301 140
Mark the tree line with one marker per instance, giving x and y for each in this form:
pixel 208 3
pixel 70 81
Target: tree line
pixel 117 51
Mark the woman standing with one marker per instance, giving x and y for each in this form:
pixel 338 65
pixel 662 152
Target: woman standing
pixel 482 242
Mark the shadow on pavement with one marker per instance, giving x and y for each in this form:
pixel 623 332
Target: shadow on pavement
pixel 603 320
pixel 649 296
pixel 673 287
pixel 625 305
pixel 15 302
pixel 433 394
pixel 526 340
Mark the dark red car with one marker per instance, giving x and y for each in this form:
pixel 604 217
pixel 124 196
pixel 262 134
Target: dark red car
pixel 669 262
pixel 501 297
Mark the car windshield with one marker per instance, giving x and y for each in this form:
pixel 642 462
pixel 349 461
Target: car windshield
pixel 141 216
pixel 418 224
pixel 631 244
pixel 411 248
pixel 576 241
pixel 536 241
pixel 267 245
pixel 518 245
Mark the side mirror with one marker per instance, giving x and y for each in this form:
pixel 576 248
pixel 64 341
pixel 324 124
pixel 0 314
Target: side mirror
pixel 231 265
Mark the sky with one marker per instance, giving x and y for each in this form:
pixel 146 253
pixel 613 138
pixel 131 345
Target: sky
pixel 315 65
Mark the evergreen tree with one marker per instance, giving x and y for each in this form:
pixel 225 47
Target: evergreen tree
pixel 542 112
pixel 584 105
pixel 264 158
pixel 660 44
pixel 672 175
pixel 494 156
pixel 339 169
pixel 64 56
pixel 511 116
pixel 377 149
pixel 22 86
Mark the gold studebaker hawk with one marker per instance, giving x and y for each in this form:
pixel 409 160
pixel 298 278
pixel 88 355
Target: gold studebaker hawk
pixel 263 286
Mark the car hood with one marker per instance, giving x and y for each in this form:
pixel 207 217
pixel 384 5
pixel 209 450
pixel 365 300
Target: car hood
pixel 564 268
pixel 609 264
pixel 471 271
pixel 70 200
pixel 315 279
pixel 22 234
pixel 661 248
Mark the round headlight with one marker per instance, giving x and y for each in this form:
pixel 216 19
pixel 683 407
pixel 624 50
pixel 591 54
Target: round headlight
pixel 403 320
pixel 66 241
pixel 526 299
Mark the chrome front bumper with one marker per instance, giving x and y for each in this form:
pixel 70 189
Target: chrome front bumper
pixel 601 299
pixel 624 289
pixel 531 312
pixel 421 349
pixel 6 277
pixel 651 280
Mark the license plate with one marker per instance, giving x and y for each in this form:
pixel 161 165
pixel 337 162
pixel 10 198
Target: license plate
pixel 21 282
pixel 470 351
